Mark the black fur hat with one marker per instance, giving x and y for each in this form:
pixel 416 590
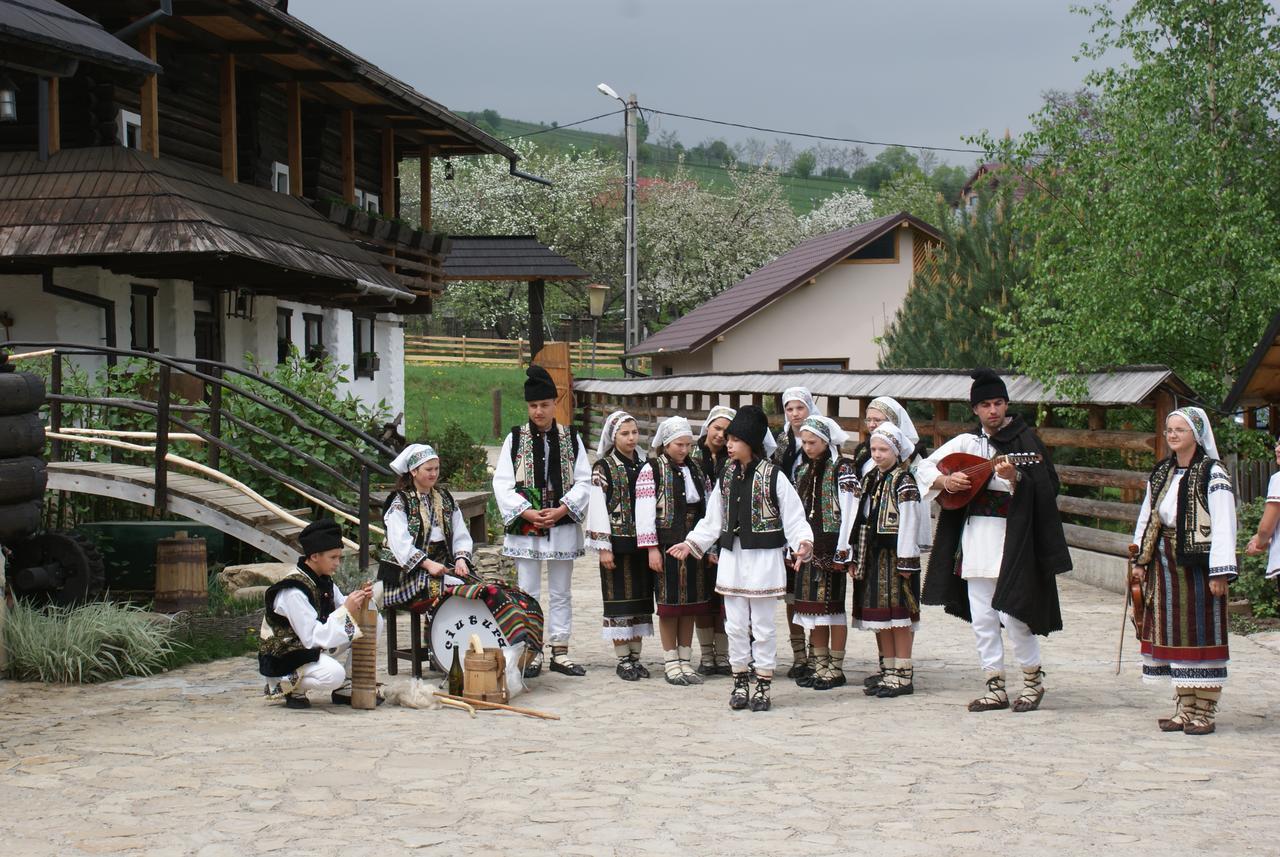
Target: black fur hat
pixel 538 385
pixel 320 536
pixel 986 385
pixel 749 425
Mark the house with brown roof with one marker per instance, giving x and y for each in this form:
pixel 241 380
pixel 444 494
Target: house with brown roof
pixel 214 179
pixel 819 306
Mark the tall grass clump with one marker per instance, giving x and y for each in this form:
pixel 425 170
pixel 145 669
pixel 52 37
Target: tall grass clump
pixel 81 645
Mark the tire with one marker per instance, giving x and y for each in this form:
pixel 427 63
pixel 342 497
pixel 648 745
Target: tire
pixel 22 434
pixel 78 573
pixel 20 393
pixel 19 520
pixel 22 479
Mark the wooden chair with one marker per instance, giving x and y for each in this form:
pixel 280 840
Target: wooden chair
pixel 417 654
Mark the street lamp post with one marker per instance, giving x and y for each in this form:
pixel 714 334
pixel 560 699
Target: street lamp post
pixel 596 294
pixel 632 323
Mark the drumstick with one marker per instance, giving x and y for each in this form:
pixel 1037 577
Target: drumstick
pixel 527 712
pixel 460 705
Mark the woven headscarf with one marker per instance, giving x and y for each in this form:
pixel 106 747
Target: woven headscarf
pixel 827 429
pixel 670 429
pixel 897 415
pixel 1199 422
pixel 799 394
pixel 611 425
pixel 719 412
pixel 412 456
pixel 894 436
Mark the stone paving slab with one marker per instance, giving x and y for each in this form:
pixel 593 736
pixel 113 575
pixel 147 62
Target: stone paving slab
pixel 196 762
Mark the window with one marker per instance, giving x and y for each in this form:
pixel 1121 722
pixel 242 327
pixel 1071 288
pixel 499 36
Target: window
pixel 284 334
pixel 129 129
pixel 883 249
pixel 369 202
pixel 818 364
pixel 366 358
pixel 142 318
pixel 279 177
pixel 313 337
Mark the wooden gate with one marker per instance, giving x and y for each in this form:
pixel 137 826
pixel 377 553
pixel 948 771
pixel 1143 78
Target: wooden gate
pixel 554 357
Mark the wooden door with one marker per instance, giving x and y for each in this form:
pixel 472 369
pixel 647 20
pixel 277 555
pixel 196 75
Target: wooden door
pixel 554 357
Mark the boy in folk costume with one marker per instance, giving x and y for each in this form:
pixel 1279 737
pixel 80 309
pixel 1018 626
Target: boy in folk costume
pixel 542 485
pixel 754 515
pixel 625 581
pixel 1186 535
pixel 797 406
pixel 308 627
pixel 829 489
pixel 995 560
pixel 670 500
pixel 887 570
pixel 709 456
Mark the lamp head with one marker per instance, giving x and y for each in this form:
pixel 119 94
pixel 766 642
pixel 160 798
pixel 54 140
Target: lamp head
pixel 608 90
pixel 596 294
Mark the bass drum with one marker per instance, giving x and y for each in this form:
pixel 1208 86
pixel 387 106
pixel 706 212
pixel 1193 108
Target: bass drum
pixel 454 620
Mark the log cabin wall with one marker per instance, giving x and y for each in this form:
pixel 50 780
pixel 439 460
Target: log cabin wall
pixel 262 136
pixel 190 124
pixel 322 154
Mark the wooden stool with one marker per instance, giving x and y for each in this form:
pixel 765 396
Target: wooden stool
pixel 416 654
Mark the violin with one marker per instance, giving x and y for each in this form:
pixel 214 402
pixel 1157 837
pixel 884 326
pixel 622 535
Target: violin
pixel 979 470
pixel 1135 593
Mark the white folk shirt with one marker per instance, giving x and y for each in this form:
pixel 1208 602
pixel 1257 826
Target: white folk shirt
pixel 333 636
pixel 982 541
pixel 752 572
pixel 647 504
pixel 401 544
pixel 564 541
pixel 1222 519
pixel 1273 553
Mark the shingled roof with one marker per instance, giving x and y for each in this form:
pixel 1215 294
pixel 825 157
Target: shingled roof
pixel 51 26
pixel 135 214
pixel 507 257
pixel 766 285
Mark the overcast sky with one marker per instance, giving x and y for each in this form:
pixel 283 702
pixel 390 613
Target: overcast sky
pixel 918 73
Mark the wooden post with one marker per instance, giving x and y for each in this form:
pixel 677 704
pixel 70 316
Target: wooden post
pixel 1273 416
pixel 364 518
pixel 150 97
pixel 940 414
pixel 293 116
pixel 55 411
pixel 863 404
pixel 227 109
pixel 4 587
pixel 349 157
pixel 215 420
pixel 1098 418
pixel 424 187
pixel 55 117
pixel 162 440
pixel 389 201
pixel 497 412
pixel 1163 407
pixel 1251 418
pixel 537 299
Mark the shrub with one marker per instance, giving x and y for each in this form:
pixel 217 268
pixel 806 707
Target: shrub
pixel 1252 583
pixel 463 463
pixel 95 642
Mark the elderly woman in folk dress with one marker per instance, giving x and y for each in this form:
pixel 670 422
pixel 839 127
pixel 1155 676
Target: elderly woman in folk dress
pixel 625 581
pixel 1186 534
pixel 709 456
pixel 427 535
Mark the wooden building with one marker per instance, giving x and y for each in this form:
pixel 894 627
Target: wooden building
pixel 217 182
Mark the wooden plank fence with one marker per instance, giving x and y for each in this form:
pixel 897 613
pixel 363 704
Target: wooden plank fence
pixel 499 352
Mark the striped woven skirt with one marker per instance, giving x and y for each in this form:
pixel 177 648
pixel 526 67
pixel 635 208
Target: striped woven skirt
pixel 1184 629
pixel 820 587
pixel 403 589
pixel 686 587
pixel 627 589
pixel 883 598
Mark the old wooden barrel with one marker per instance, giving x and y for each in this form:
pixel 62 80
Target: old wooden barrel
pixel 182 570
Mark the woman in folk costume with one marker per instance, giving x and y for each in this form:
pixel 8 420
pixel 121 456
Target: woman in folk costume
pixel 427 535
pixel 888 564
pixel 829 489
pixel 1267 538
pixel 710 455
pixel 884 409
pixel 625 581
pixel 542 485
pixel 669 502
pixel 797 406
pixel 1187 559
pixel 754 515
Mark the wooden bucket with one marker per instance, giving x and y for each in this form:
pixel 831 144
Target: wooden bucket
pixel 182 574
pixel 484 676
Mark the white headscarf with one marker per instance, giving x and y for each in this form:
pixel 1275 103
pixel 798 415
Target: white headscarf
pixel 719 412
pixel 895 437
pixel 412 456
pixel 610 430
pixel 898 416
pixel 828 430
pixel 1199 422
pixel 798 394
pixel 672 428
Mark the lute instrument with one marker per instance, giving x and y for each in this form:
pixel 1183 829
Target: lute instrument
pixel 979 470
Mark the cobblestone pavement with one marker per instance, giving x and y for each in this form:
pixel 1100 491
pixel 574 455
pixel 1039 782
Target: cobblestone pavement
pixel 196 762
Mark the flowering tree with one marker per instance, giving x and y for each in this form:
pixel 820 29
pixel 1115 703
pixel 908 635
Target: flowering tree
pixel 838 211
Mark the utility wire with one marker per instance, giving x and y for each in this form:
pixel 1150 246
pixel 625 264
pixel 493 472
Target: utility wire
pixel 561 127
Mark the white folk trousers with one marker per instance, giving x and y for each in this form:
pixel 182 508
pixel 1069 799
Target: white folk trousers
pixel 558 608
pixel 750 624
pixel 326 674
pixel 986 629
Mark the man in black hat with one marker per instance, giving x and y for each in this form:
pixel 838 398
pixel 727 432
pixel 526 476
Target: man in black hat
pixel 994 560
pixel 309 626
pixel 542 484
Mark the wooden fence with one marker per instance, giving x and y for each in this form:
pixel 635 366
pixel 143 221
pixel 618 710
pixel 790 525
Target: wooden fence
pixel 499 352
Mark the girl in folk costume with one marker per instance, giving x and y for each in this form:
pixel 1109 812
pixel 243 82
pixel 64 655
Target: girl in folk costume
pixel 829 490
pixel 1267 538
pixel 797 406
pixel 880 410
pixel 542 485
pixel 709 456
pixel 669 501
pixel 754 514
pixel 887 569
pixel 625 581
pixel 427 535
pixel 1187 536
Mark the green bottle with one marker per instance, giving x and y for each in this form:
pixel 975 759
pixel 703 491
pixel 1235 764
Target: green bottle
pixel 455 674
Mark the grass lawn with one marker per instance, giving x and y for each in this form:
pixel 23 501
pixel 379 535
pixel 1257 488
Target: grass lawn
pixel 435 394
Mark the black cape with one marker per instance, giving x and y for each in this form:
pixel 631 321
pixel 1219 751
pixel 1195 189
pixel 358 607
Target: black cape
pixel 1035 548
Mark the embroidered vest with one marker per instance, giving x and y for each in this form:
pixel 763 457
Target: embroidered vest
pixel 672 507
pixel 758 522
pixel 280 652
pixel 527 453
pixel 616 477
pixel 818 484
pixel 787 453
pixel 438 512
pixel 1194 530
pixel 708 465
pixel 879 521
